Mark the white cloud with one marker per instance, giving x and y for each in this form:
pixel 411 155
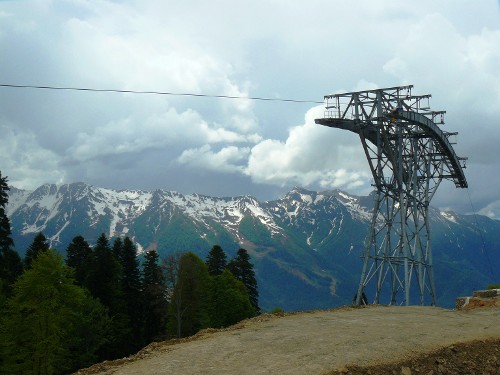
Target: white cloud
pixel 227 159
pixel 133 135
pixel 25 162
pixel 312 155
pixel 455 66
pixel 492 210
pixel 462 72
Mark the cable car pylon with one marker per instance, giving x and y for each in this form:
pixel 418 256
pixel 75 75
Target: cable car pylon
pixel 408 155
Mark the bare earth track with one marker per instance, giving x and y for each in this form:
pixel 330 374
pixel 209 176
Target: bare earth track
pixel 373 340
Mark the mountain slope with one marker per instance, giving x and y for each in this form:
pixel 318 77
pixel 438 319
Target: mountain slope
pixel 305 245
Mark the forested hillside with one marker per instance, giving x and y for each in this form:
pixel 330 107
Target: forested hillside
pixel 305 246
pixel 59 314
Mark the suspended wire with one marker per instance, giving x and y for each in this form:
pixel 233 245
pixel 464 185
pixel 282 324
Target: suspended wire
pixel 485 252
pixel 158 93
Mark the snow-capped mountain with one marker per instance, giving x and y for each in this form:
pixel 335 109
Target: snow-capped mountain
pixel 305 245
pixel 55 209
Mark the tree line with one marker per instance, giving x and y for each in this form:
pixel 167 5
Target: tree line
pixel 61 314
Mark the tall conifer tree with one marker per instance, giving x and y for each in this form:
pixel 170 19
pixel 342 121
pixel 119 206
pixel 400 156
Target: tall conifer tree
pixel 132 290
pixel 104 283
pixel 118 248
pixel 79 257
pixel 6 242
pixel 39 245
pixel 105 274
pixel 216 261
pixel 242 269
pixel 155 298
pixel 11 266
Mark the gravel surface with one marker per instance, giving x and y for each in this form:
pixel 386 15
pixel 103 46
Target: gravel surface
pixel 316 342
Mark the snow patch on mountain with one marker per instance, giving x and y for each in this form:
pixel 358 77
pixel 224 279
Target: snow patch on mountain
pixel 352 203
pixel 450 216
pixel 121 208
pixel 122 205
pixel 227 211
pixel 318 215
pixel 17 197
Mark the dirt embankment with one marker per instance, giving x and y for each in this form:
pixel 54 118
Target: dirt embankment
pixel 400 340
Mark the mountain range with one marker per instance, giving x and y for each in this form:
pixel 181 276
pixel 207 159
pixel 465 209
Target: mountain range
pixel 305 245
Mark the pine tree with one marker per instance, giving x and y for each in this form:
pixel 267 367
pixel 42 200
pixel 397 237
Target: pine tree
pixel 40 244
pixel 242 269
pixel 155 298
pixel 189 307
pixel 79 257
pixel 104 283
pixel 104 274
pixel 12 268
pixel 6 241
pixel 216 261
pixel 132 291
pixel 45 319
pixel 10 263
pixel 118 248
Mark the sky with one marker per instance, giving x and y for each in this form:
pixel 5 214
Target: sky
pixel 261 48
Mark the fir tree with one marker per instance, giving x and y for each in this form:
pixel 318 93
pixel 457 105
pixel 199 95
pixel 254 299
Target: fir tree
pixel 216 261
pixel 79 257
pixel 155 298
pixel 118 248
pixel 132 291
pixel 40 244
pixel 6 242
pixel 10 263
pixel 242 269
pixel 104 274
pixel 104 283
pixel 12 268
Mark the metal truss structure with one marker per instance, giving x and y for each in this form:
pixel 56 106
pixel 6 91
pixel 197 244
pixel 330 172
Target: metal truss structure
pixel 408 155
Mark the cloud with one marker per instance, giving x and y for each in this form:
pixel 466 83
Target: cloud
pixel 141 51
pixel 461 70
pixel 449 49
pixel 111 45
pixel 491 210
pixel 22 154
pixel 455 66
pixel 227 159
pixel 312 155
pixel 134 135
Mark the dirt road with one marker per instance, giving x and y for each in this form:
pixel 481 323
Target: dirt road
pixel 316 342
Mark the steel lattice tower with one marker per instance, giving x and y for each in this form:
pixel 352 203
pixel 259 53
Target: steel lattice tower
pixel 408 155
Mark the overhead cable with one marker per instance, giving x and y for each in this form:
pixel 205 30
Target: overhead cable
pixel 157 93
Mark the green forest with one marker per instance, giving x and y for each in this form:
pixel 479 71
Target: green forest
pixel 100 302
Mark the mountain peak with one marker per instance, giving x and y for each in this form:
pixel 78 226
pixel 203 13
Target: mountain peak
pixel 305 243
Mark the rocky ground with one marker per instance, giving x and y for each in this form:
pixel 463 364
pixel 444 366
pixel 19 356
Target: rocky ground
pixel 475 357
pixel 373 340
